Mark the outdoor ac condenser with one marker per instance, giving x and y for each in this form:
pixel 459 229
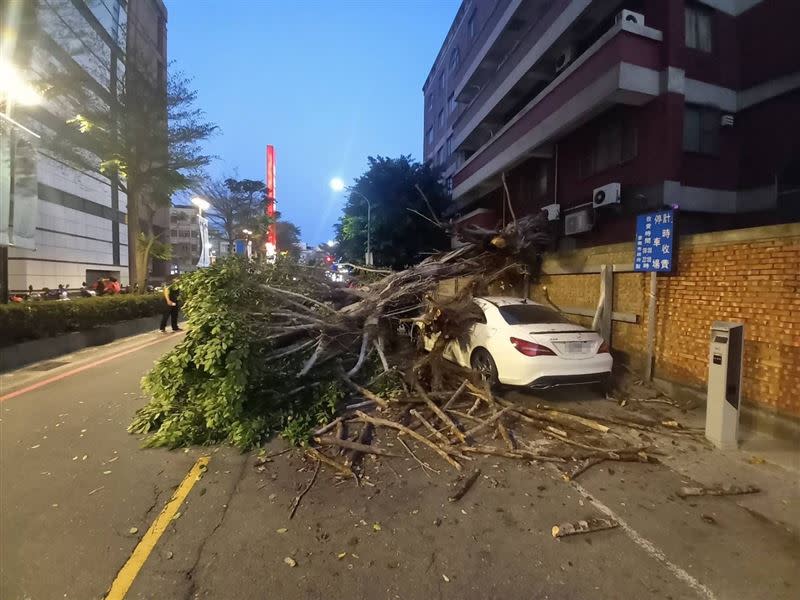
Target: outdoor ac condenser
pixel 724 384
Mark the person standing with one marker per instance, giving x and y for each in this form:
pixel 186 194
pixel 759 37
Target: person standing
pixel 172 295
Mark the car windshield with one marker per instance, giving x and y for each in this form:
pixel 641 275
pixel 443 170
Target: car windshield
pixel 525 314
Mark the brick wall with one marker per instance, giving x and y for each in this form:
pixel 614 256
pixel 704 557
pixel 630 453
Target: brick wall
pixel 747 275
pixel 756 282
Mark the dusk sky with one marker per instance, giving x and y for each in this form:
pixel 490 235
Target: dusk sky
pixel 328 83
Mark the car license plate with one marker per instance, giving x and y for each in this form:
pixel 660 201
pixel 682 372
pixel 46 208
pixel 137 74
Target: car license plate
pixel 575 347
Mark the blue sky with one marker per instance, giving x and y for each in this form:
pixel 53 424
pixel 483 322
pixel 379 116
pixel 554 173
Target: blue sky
pixel 328 83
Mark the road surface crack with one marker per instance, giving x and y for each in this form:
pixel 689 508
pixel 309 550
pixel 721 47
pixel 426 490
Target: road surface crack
pixel 191 572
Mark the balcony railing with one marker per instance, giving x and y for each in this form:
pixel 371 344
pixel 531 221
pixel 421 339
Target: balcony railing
pixel 623 66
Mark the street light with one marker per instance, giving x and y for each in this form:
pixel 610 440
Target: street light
pixel 201 204
pixel 14 88
pixel 337 185
pixel 247 232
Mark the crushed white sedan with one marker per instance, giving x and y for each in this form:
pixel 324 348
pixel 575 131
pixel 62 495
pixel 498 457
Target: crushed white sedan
pixel 518 342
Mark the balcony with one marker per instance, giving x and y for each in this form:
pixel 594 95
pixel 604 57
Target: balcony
pixel 622 67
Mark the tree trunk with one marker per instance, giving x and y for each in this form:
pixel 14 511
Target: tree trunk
pixel 134 228
pixel 143 250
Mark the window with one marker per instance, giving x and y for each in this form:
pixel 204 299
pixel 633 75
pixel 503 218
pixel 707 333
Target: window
pixel 528 314
pixel 471 29
pixel 441 82
pixel 613 145
pixel 449 185
pixel 455 59
pixel 440 156
pixel 701 130
pixel 698 28
pixel 430 101
pixel 451 103
pixel 430 135
pixel 449 145
pixel 440 121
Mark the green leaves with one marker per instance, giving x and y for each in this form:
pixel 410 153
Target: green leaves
pixel 399 237
pixel 215 386
pixel 34 320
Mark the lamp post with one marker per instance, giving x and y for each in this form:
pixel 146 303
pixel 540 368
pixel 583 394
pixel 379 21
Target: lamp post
pixel 202 204
pixel 249 247
pixel 14 89
pixel 337 185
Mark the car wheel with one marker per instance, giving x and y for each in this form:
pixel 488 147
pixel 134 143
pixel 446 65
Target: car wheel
pixel 484 364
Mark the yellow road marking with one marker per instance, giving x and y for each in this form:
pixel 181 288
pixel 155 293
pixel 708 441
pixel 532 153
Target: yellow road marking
pixel 131 569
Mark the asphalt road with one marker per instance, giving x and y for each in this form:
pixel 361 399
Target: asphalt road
pixel 77 494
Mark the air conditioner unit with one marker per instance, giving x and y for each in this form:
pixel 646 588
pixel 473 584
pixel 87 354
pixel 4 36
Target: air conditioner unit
pixel 553 211
pixel 631 17
pixel 566 57
pixel 579 221
pixel 608 194
pixel 727 121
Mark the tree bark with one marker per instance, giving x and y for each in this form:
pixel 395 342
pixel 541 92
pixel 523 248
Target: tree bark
pixel 134 228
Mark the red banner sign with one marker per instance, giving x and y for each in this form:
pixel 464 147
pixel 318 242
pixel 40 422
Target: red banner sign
pixel 272 237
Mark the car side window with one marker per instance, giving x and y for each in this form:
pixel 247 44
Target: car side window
pixel 481 316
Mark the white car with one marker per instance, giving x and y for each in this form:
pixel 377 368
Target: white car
pixel 523 343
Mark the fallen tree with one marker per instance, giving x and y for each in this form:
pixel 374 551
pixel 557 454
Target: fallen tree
pixel 274 347
pixel 282 348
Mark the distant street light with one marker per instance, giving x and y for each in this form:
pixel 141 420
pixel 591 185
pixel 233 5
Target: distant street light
pixel 247 232
pixel 337 185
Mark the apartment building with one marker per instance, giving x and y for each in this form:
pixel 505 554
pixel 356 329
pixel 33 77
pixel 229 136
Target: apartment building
pixel 184 236
pixel 601 109
pixel 81 226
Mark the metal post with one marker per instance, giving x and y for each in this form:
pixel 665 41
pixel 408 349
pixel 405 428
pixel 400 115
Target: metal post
pixel 651 326
pixel 4 275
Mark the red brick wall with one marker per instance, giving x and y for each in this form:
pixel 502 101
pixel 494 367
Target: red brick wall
pixel 748 275
pixel 756 283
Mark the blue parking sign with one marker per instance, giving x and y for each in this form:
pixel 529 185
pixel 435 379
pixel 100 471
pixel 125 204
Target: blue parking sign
pixel 655 239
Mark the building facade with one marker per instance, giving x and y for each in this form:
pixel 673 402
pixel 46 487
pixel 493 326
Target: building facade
pixel 692 104
pixel 184 236
pixel 81 231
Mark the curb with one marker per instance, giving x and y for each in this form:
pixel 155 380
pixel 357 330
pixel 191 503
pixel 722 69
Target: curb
pixel 25 353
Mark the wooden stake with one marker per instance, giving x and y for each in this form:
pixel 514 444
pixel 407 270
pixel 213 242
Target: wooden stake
pixel 487 422
pixel 587 526
pixel 456 394
pixel 364 391
pixel 505 435
pixel 422 464
pixel 430 427
pixel 465 486
pixel 365 448
pixel 299 497
pixel 581 467
pixel 441 414
pixel 724 490
pixel 409 432
pixel 319 456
